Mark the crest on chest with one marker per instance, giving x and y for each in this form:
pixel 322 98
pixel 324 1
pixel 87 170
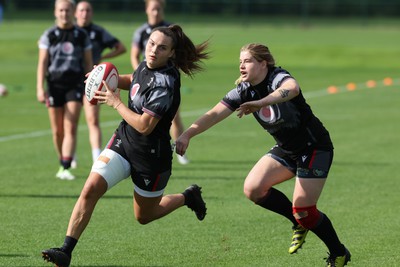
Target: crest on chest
pixel 134 90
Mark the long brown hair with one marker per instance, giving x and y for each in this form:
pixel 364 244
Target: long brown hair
pixel 260 53
pixel 188 56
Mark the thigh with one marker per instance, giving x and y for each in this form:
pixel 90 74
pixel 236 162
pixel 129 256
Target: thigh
pixel 266 173
pixel 72 113
pixel 92 112
pixel 145 206
pixel 312 171
pixel 307 191
pixel 56 117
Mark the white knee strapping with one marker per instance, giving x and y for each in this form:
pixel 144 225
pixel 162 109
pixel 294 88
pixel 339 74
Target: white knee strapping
pixel 112 167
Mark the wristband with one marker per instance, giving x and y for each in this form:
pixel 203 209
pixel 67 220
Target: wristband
pixel 117 105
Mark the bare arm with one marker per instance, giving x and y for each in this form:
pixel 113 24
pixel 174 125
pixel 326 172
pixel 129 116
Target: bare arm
pixel 41 75
pixel 288 90
pixel 117 50
pixel 209 119
pixel 143 123
pixel 88 60
pixel 124 81
pixel 135 56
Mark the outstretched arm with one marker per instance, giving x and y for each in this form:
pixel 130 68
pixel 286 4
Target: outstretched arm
pixel 209 119
pixel 288 90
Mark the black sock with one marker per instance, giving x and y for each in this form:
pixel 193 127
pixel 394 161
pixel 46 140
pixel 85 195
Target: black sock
pixel 327 234
pixel 277 202
pixel 66 162
pixel 69 245
pixel 186 195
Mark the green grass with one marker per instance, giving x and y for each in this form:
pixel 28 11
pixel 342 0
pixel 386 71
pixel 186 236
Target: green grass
pixel 359 196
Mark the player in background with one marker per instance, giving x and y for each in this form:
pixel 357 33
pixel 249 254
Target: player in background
pixel 155 18
pixel 141 146
pixel 101 40
pixel 303 147
pixel 2 5
pixel 65 56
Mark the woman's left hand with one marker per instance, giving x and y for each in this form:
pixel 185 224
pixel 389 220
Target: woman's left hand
pixel 249 107
pixel 109 97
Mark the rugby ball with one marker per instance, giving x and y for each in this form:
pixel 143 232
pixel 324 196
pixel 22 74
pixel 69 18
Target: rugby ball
pixel 105 71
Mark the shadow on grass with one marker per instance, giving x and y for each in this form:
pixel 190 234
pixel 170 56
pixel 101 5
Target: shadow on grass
pixel 217 165
pixel 13 255
pixel 122 265
pixel 225 162
pixel 56 196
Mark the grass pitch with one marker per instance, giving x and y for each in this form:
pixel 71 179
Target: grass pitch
pixel 359 196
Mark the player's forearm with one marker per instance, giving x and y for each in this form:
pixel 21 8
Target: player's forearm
pixel 116 51
pixel 209 119
pixel 40 77
pixel 287 91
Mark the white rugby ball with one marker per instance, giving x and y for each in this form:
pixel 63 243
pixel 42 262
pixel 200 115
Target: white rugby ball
pixel 105 71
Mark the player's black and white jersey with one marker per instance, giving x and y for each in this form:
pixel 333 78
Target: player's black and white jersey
pixel 155 92
pixel 66 48
pixel 101 39
pixel 292 123
pixel 142 34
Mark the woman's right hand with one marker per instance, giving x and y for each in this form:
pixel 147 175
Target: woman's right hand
pixel 41 95
pixel 181 144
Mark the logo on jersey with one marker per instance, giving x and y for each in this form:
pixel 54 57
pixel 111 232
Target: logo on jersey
pixel 252 93
pixel 134 90
pixel 67 48
pixel 150 82
pixel 303 158
pixel 267 114
pixel 119 142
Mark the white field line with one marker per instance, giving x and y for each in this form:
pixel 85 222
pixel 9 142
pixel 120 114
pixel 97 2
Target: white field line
pixel 185 114
pixel 82 127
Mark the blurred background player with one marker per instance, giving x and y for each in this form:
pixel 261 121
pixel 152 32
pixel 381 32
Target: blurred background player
pixel 65 56
pixel 101 39
pixel 2 2
pixel 155 18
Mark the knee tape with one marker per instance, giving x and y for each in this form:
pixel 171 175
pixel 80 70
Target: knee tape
pixel 308 217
